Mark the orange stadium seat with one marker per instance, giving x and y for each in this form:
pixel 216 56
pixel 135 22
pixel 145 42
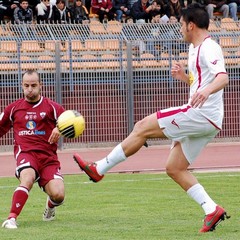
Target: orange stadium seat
pixel 27 64
pixel 8 46
pixel 46 62
pixel 8 66
pixel 111 44
pixel 30 46
pixel 229 24
pixel 50 45
pixel 94 45
pixel 114 27
pixel 76 45
pixel 110 61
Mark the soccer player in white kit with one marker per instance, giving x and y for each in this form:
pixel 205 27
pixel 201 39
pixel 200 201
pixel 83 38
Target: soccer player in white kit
pixel 191 126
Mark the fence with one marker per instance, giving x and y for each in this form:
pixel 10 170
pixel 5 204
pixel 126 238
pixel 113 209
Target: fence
pixel 113 74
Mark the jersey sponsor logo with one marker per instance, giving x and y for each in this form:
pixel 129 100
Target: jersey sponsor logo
pixel 30 125
pixel 31 132
pixel 214 62
pixel 174 123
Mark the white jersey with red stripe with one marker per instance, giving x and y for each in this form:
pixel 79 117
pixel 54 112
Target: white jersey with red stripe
pixel 205 62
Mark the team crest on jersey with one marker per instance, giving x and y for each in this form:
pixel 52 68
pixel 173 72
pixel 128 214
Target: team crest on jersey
pixel 42 114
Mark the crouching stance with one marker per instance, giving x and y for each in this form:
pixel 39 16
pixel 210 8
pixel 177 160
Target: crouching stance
pixel 33 120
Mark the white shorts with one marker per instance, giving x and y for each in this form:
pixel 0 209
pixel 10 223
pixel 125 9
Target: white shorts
pixel 185 125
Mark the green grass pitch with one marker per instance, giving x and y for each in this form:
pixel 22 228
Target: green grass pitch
pixel 125 206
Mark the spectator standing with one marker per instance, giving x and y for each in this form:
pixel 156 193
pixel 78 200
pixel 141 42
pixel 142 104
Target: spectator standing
pixel 217 6
pixel 23 13
pixel 102 8
pixel 61 13
pixel 120 7
pixel 44 11
pixel 79 12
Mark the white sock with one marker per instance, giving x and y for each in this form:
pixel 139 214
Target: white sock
pixel 116 156
pixel 198 193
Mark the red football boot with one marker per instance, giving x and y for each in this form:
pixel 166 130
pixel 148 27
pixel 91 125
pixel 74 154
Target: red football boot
pixel 88 167
pixel 213 219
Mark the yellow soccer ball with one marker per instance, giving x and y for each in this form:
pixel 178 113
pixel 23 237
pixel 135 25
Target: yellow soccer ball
pixel 71 124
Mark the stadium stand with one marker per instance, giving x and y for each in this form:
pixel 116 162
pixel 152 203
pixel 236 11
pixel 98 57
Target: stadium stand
pixel 104 72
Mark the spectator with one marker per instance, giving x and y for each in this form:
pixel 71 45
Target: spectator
pixel 87 4
pixel 131 2
pixel 234 5
pixel 44 11
pixel 173 8
pixel 32 4
pixel 23 13
pixel 141 11
pixel 61 13
pixel 202 2
pixel 102 8
pixel 79 12
pixel 217 6
pixel 121 7
pixel 7 8
pixel 157 8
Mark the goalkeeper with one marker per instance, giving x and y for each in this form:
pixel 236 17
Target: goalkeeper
pixel 33 119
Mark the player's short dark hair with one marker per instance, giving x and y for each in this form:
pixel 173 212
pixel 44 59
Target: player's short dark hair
pixel 30 72
pixel 197 14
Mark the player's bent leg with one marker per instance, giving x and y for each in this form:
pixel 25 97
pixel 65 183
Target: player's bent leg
pixel 147 128
pixel 144 129
pixel 176 168
pixel 55 191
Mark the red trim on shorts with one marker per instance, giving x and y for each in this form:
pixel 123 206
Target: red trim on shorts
pixel 221 73
pixel 171 112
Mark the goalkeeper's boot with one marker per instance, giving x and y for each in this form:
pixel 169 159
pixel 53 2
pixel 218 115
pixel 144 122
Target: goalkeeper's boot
pixel 49 213
pixel 88 167
pixel 10 223
pixel 213 219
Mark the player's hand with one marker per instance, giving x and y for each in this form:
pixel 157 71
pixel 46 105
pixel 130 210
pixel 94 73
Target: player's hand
pixel 54 136
pixel 199 98
pixel 177 70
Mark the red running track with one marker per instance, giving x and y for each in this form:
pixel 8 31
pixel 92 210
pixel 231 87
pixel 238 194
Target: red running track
pixel 215 157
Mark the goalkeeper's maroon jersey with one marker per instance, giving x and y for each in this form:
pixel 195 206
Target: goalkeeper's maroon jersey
pixel 32 124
